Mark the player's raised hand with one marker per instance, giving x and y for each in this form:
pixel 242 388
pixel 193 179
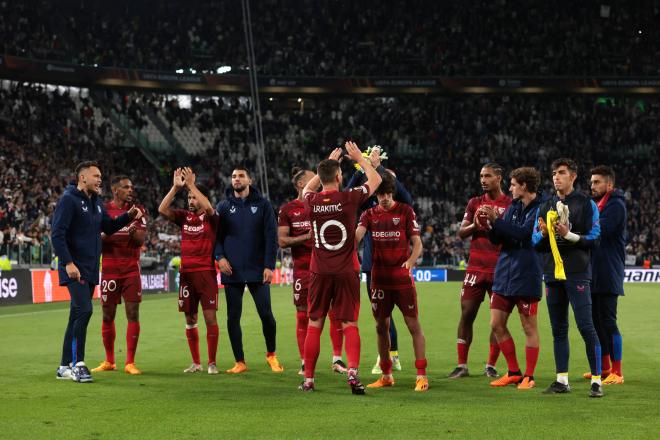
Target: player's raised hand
pixel 268 276
pixel 135 213
pixel 178 180
pixel 353 151
pixel 374 157
pixel 336 154
pixel 188 176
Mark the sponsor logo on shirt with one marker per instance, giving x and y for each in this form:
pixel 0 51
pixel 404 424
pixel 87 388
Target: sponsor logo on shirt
pixel 193 229
pixel 232 210
pixel 386 234
pixel 304 224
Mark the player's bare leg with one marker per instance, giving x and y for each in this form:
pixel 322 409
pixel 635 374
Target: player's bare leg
pixel 531 329
pixel 383 340
pixel 312 349
pixel 192 334
pixel 132 335
pixel 419 346
pixel 469 310
pixel 212 333
pixel 352 339
pixel 108 334
pixel 498 324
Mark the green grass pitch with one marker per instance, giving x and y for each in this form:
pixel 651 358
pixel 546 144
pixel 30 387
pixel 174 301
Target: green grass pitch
pixel 165 403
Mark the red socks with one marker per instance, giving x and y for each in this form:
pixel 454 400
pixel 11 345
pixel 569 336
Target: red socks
pixel 352 335
pixel 616 368
pixel 420 364
pixel 193 342
pixel 493 354
pixel 312 349
pixel 462 348
pixel 605 363
pixel 531 356
pixel 509 351
pixel 132 336
pixel 336 336
pixel 212 332
pixel 301 331
pixel 386 365
pixel 108 335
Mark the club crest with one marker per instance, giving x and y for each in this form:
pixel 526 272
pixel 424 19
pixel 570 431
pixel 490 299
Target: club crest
pixel 232 210
pixel 253 209
pixel 396 220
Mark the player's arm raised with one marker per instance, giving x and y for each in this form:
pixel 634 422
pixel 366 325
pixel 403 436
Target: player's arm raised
pixel 178 183
pixel 189 178
pixel 373 178
pixel 315 182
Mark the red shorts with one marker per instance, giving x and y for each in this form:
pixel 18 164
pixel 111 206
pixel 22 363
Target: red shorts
pixel 339 291
pixel 383 301
pixel 527 305
pixel 113 289
pixel 195 288
pixel 475 286
pixel 300 289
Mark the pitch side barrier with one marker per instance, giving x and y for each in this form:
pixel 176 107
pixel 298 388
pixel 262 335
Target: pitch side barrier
pixel 60 73
pixel 632 275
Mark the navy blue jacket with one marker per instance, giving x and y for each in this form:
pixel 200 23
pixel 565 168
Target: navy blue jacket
pixel 519 268
pixel 76 233
pixel 402 195
pixel 609 259
pixel 584 220
pixel 247 236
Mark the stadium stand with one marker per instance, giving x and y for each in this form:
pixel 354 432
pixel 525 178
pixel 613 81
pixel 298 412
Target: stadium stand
pixel 422 37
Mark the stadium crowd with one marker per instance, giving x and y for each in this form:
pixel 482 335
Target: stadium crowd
pixel 393 38
pixel 435 145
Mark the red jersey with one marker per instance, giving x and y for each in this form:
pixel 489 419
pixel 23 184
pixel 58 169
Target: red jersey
pixel 391 231
pixel 483 253
pixel 333 215
pixel 198 233
pixel 121 255
pixel 295 215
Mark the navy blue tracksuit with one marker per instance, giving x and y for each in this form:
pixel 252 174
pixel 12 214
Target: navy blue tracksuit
pixel 608 264
pixel 584 221
pixel 402 195
pixel 76 228
pixel 247 238
pixel 519 269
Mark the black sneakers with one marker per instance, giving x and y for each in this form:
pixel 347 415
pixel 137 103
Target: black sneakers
pixel 557 388
pixel 596 390
pixel 459 372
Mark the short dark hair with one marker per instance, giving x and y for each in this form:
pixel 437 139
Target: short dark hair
pixel 499 169
pixel 387 186
pixel 565 161
pixel 327 170
pixel 84 165
pixel 203 189
pixel 242 167
pixel 529 176
pixel 604 170
pixel 116 179
pixel 297 173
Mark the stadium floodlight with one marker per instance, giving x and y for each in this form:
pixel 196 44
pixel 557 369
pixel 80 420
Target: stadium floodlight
pixel 223 69
pixel 179 70
pixel 193 71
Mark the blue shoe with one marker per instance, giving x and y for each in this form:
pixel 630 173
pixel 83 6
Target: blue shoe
pixel 81 373
pixel 64 373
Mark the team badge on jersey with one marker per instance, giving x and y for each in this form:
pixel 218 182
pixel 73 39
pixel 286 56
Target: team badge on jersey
pixel 253 209
pixel 396 220
pixel 232 210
